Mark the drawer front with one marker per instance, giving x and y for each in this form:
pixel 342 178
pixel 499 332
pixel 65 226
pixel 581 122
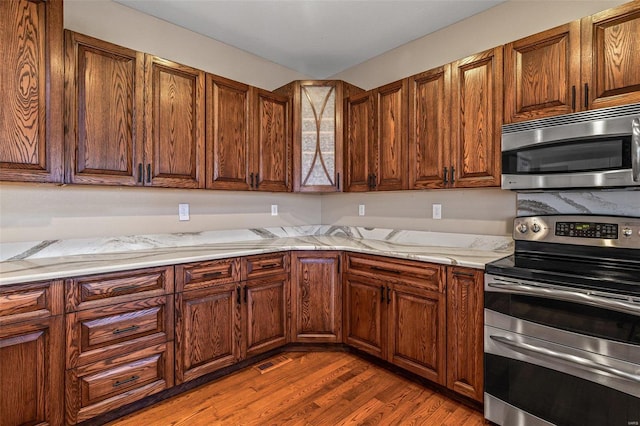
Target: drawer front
pixel 101 387
pixel 102 333
pixel 424 275
pixel 265 265
pixel 206 274
pixel 23 302
pixel 105 289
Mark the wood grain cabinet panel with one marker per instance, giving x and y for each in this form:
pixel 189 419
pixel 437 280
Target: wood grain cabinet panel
pixel 390 148
pixel 542 74
pixel 476 120
pixel 193 276
pixel 359 140
pixel 365 315
pixel 228 123
pixel 207 330
pixel 271 164
pixel 610 59
pixel 264 265
pixel 174 124
pixel 31 354
pixel 104 104
pixel 465 303
pixel 429 132
pixel 316 297
pixel 31 77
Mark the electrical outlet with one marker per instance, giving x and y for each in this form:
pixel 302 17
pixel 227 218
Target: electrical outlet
pixel 437 211
pixel 183 211
pixel 274 210
pixel 361 210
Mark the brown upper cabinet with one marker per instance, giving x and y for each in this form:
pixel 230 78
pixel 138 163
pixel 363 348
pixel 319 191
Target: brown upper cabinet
pixel 317 133
pixel 376 134
pixel 110 92
pixel 31 115
pixel 476 120
pixel 429 115
pixel 582 65
pixel 228 134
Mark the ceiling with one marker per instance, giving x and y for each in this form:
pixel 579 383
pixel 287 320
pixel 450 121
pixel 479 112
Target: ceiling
pixel 318 38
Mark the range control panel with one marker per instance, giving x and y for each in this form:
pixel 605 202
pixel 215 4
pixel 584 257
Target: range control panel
pixel 606 231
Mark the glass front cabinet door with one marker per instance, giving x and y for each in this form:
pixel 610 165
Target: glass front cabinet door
pixel 317 133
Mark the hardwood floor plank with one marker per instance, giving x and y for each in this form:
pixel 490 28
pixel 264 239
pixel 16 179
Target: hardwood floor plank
pixel 315 388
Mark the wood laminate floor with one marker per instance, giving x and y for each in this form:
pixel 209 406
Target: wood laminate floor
pixel 314 388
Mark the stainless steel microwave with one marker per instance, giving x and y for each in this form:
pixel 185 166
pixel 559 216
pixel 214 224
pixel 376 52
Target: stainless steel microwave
pixel 591 149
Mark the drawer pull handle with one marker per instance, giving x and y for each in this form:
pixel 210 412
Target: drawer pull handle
pixel 389 271
pixel 124 288
pixel 210 275
pixel 270 265
pixel 463 274
pixel 125 381
pixel 126 329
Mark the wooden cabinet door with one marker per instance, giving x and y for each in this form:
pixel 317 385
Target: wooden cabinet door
pixel 365 314
pixel 228 128
pixel 104 105
pixel 476 112
pixel 174 124
pixel 272 143
pixel 610 59
pixel 359 142
pixel 429 116
pixel 465 300
pixel 316 297
pixel 207 330
pixel 390 150
pixel 417 331
pixel 32 372
pixel 31 77
pixel 542 74
pixel 266 303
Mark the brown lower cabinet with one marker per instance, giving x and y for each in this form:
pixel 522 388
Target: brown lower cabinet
pixel 31 354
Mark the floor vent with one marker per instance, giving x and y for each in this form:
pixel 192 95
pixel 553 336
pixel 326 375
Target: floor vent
pixel 274 363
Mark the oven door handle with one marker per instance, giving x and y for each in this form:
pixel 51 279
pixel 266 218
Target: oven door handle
pixel 583 362
pixel 600 301
pixel 635 149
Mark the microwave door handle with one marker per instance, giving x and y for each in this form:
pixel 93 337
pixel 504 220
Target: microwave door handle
pixel 573 359
pixel 635 149
pixel 569 296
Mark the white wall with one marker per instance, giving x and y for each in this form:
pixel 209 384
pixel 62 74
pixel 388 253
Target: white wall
pixel 499 25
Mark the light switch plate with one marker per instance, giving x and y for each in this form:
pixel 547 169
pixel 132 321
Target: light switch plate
pixel 183 211
pixel 437 211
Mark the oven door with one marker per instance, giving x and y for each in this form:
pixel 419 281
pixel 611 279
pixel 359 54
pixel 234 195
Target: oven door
pixel 559 361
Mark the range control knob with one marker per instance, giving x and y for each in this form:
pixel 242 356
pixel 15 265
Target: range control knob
pixel 535 227
pixel 627 232
pixel 522 228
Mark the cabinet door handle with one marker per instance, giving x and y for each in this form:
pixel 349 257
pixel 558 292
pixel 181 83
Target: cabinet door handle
pixel 586 95
pixel 246 293
pixel 251 177
pixel 381 294
pixel 125 381
pixel 453 178
pixel 338 181
pixel 140 174
pixel 257 180
pixel 388 295
pixel 573 98
pixel 149 173
pixel 369 182
pixel 210 275
pixel 238 296
pixel 444 179
pixel 375 181
pixel 126 329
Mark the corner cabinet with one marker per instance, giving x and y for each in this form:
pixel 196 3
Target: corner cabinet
pixel 31 116
pixel 317 133
pixel 476 120
pixel 32 354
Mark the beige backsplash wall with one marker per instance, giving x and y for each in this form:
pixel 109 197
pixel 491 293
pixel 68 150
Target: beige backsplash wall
pixel 501 24
pixel 48 212
pixel 475 211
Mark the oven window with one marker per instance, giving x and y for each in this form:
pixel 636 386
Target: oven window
pixel 558 397
pixel 570 157
pixel 568 316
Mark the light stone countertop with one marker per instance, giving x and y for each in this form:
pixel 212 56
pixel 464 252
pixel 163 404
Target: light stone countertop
pixel 449 249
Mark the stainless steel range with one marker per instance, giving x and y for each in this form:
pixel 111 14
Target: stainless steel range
pixel 562 324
